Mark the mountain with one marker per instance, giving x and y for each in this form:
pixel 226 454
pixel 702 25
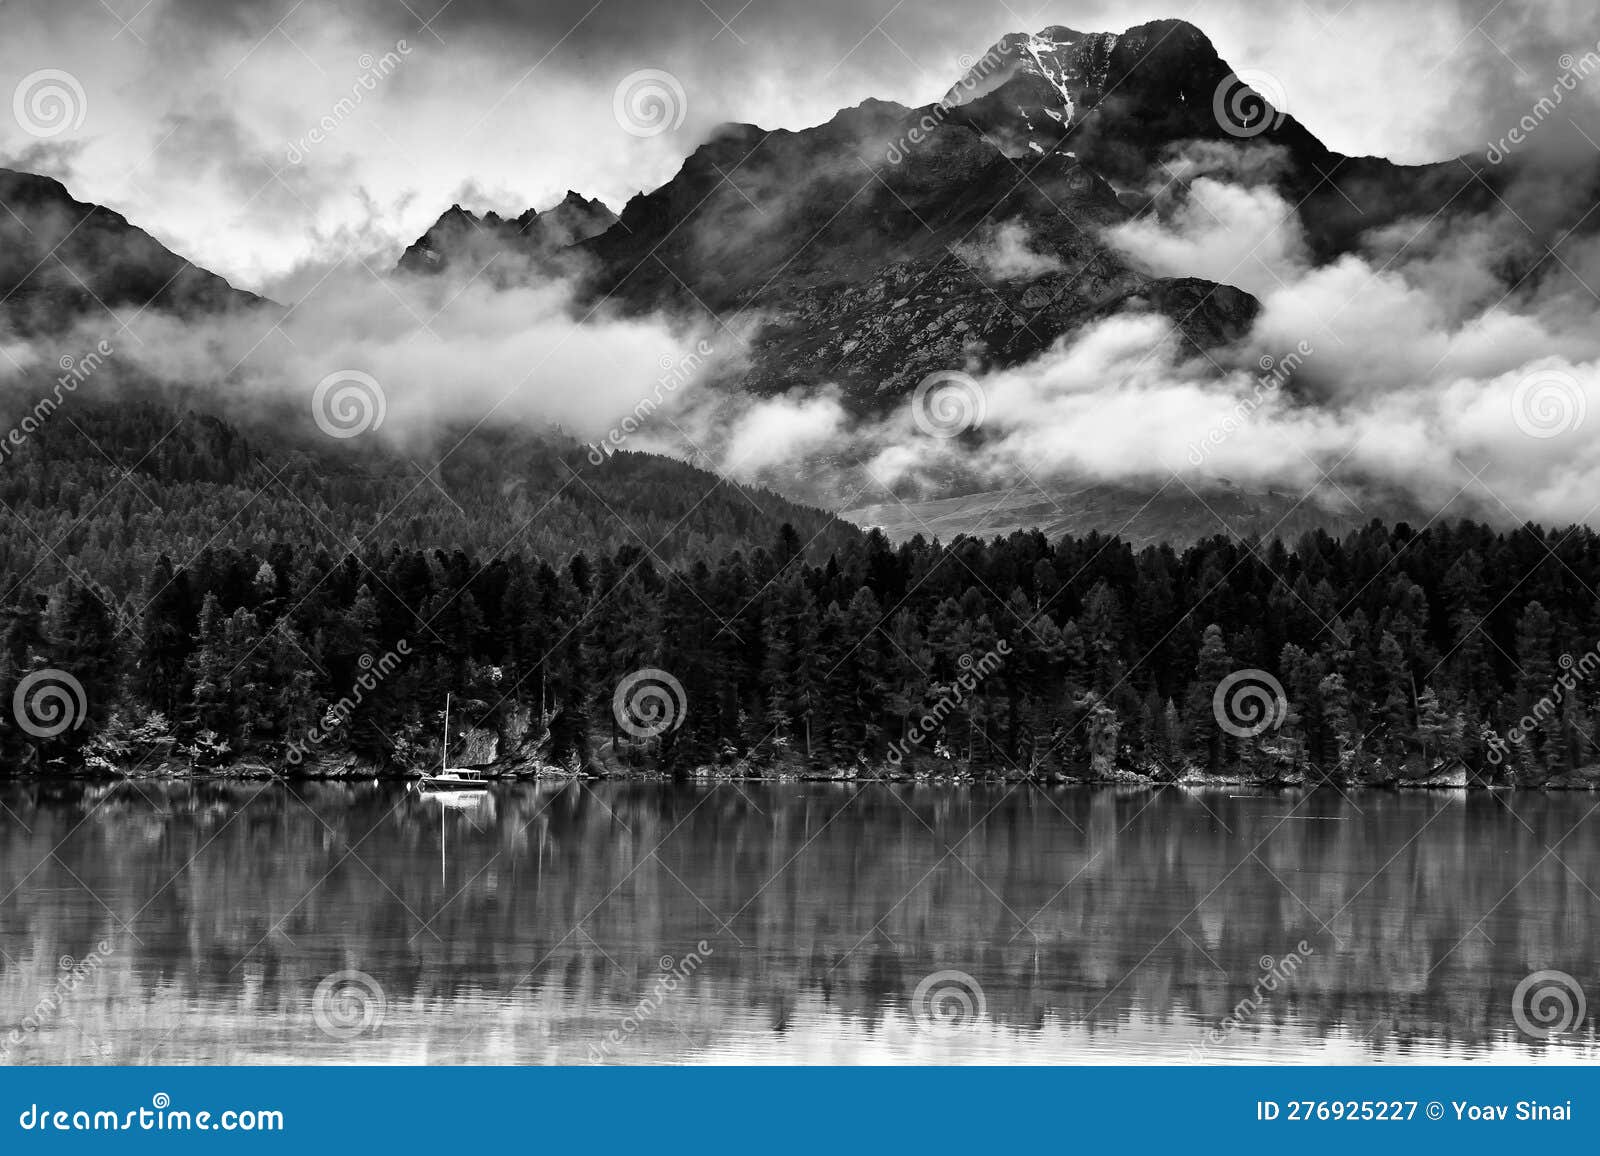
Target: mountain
pixel 892 242
pixel 1123 104
pixel 461 241
pixel 61 259
pixel 213 456
pixel 1118 101
pixel 868 253
pixel 1174 514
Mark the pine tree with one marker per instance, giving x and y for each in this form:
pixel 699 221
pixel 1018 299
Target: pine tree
pixel 1205 738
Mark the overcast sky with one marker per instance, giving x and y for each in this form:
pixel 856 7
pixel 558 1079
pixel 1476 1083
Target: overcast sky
pixel 192 109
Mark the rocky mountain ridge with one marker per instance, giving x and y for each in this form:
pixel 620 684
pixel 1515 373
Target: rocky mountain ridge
pixel 61 258
pixel 464 241
pixel 889 242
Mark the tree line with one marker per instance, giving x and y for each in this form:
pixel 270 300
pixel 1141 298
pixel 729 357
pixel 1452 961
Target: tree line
pixel 1388 655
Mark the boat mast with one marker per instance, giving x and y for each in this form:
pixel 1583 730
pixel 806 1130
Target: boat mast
pixel 444 755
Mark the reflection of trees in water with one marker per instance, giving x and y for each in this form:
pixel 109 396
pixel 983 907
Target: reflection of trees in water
pixel 248 894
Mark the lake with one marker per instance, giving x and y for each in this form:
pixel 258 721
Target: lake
pixel 245 923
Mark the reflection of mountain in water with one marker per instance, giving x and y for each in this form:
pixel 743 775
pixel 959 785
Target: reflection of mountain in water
pixel 1096 922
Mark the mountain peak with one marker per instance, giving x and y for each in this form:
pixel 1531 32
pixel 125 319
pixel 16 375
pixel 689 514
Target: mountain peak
pixel 460 235
pixel 1125 97
pixel 1073 71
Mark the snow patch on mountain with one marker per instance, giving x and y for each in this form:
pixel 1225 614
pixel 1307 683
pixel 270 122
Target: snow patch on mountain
pixel 1037 46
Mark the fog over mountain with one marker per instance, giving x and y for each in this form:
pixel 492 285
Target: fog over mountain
pixel 1124 264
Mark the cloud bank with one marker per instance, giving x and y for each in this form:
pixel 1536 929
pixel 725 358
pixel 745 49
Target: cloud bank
pixel 1405 368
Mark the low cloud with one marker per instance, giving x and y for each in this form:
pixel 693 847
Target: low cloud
pixel 1229 233
pixel 444 354
pixel 1006 252
pixel 782 431
pixel 1386 376
pixel 1405 369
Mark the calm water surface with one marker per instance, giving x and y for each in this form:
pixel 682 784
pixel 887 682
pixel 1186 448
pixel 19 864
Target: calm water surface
pixel 167 923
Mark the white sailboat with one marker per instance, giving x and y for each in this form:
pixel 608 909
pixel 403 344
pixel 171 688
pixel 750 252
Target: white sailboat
pixel 451 778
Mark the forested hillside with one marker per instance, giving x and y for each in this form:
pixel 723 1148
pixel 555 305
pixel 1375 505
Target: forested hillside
pixel 102 489
pixel 307 606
